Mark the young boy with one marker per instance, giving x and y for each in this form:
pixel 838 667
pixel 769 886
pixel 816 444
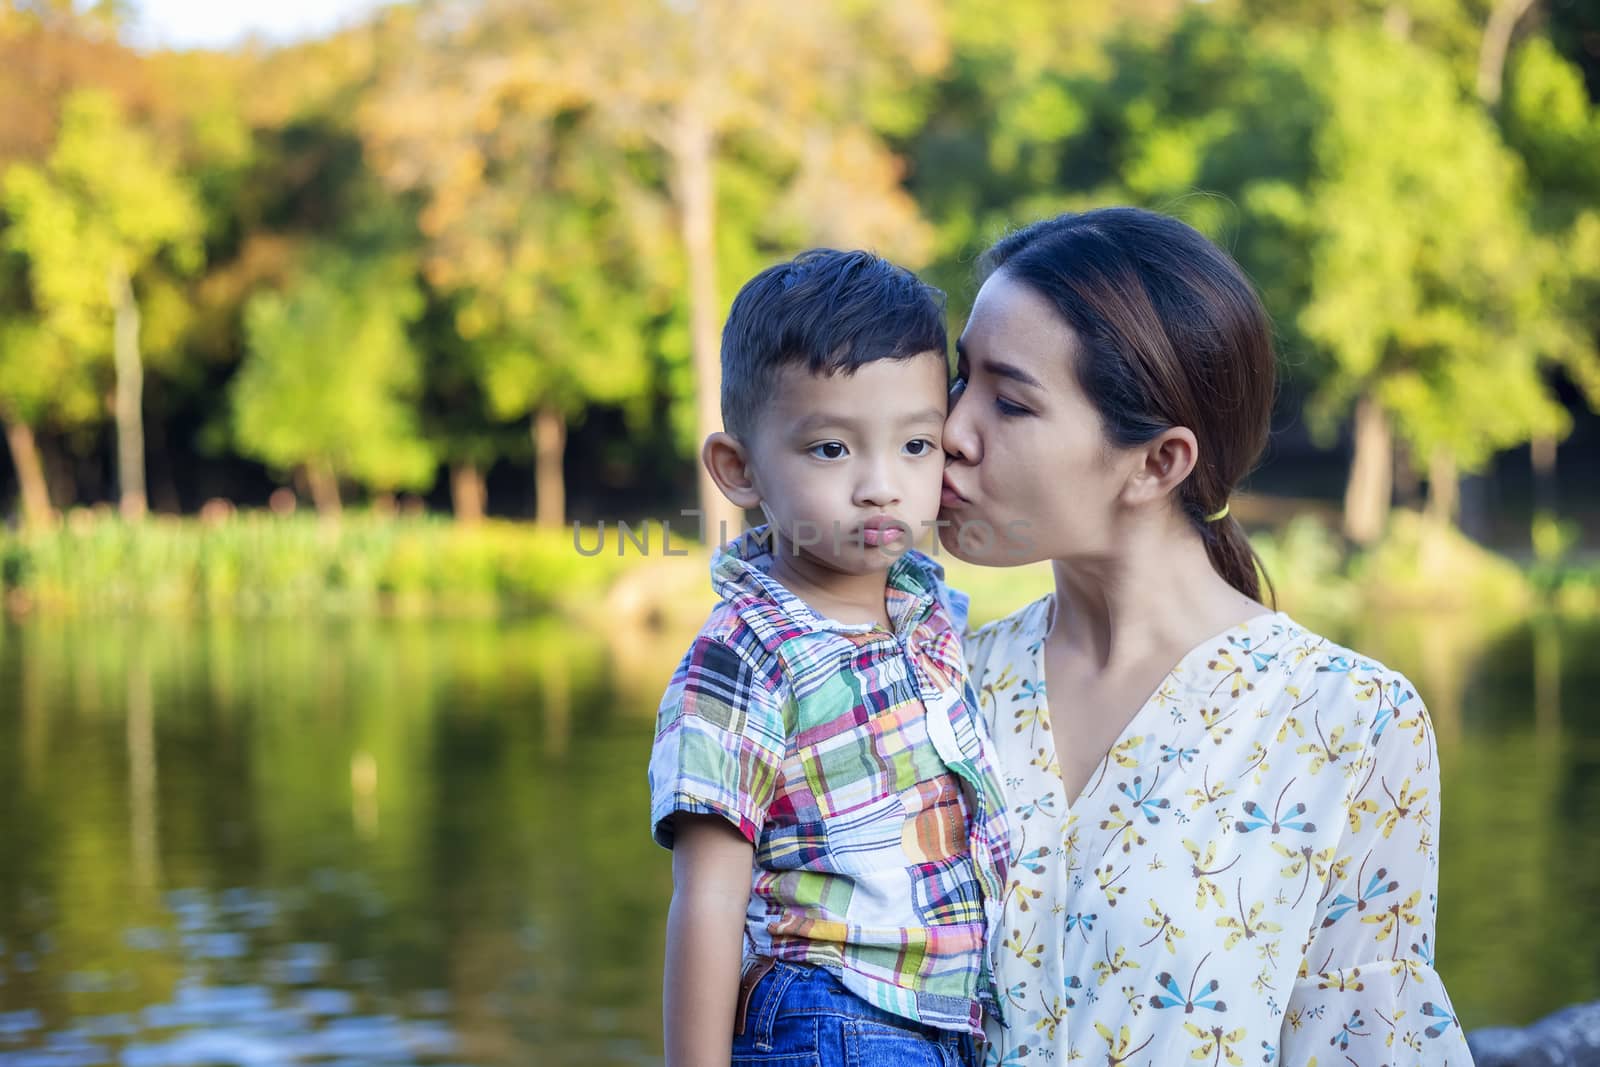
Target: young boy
pixel 820 769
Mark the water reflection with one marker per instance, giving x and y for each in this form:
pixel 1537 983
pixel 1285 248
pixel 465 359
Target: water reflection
pixel 375 843
pixel 401 843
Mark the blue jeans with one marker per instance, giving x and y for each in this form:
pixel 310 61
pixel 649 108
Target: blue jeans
pixel 801 1016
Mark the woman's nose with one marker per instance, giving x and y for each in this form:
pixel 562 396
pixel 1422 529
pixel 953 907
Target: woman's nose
pixel 960 440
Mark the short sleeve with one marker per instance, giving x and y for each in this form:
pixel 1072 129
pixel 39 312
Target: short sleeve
pixel 720 742
pixel 1368 993
pixel 956 605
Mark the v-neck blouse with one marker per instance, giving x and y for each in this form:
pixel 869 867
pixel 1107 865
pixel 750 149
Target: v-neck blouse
pixel 1249 875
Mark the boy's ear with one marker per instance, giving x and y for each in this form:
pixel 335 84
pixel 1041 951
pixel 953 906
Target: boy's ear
pixel 1161 465
pixel 728 461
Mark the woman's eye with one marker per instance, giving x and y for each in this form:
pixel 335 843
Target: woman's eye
pixel 827 450
pixel 919 447
pixel 1008 409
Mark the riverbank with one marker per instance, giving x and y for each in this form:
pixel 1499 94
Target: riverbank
pixel 257 564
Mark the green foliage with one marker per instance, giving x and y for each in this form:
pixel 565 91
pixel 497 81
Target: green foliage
pixel 1415 247
pixel 332 376
pixel 1308 566
pixel 105 205
pixel 1426 283
pixel 1423 564
pixel 260 564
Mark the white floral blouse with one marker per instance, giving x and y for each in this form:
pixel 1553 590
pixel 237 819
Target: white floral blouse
pixel 1248 877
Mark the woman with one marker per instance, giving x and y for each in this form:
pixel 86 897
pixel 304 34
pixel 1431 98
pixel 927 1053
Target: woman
pixel 1224 826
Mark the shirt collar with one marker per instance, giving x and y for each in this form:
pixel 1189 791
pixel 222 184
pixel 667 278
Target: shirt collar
pixel 741 575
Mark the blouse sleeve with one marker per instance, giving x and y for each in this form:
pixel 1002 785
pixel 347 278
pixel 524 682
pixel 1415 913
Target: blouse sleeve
pixel 1368 993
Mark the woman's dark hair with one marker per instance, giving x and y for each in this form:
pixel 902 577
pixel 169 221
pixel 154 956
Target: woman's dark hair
pixel 1170 333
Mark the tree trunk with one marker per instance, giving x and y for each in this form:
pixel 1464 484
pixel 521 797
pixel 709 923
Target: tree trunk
pixel 1370 485
pixel 1444 487
pixel 61 472
pixel 36 511
pixel 692 158
pixel 144 816
pixel 1503 19
pixel 130 398
pixel 1407 483
pixel 549 452
pixel 1397 22
pixel 467 492
pixel 1542 457
pixel 324 485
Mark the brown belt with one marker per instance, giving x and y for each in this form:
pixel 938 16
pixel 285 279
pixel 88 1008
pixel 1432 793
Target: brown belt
pixel 753 974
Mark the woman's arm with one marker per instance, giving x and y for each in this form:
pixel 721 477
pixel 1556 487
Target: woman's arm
pixel 711 867
pixel 1369 993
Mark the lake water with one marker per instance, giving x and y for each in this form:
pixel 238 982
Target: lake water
pixel 389 842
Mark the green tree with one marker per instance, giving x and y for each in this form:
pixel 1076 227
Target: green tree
pixel 43 383
pixel 1349 168
pixel 539 238
pixel 331 379
pixel 1426 280
pixel 810 87
pixel 105 208
pixel 1551 122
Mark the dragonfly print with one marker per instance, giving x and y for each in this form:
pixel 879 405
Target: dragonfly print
pixel 1327 749
pixel 1257 867
pixel 1192 1000
pixel 1217 1044
pixel 1247 927
pixel 1144 798
pixel 1203 868
pixel 1304 861
pixel 1281 819
pixel 1375 887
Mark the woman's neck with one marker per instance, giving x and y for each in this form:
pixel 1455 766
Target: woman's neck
pixel 1155 595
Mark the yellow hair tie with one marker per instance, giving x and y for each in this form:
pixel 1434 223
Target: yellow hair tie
pixel 1216 516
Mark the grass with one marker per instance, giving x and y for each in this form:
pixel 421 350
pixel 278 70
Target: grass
pixel 259 564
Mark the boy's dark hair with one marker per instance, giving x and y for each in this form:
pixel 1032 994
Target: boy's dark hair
pixel 828 311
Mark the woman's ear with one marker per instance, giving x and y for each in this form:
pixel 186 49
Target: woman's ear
pixel 728 462
pixel 1160 466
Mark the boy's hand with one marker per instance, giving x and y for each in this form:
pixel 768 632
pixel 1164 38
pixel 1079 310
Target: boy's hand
pixel 711 867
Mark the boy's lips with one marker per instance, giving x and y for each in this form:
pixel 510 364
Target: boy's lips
pixel 949 496
pixel 881 530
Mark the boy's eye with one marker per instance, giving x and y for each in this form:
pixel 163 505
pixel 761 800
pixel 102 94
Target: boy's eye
pixel 828 450
pixel 921 446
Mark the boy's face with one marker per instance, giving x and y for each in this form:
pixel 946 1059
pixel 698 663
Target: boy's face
pixel 849 466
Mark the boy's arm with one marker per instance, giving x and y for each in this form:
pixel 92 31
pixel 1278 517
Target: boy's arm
pixel 711 866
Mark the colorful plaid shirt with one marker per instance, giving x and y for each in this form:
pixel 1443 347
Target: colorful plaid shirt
pixel 856 763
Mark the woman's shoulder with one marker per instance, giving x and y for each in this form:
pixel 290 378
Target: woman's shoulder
pixel 1336 678
pixel 1008 639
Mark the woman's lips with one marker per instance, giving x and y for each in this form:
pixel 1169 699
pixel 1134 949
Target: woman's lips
pixel 948 497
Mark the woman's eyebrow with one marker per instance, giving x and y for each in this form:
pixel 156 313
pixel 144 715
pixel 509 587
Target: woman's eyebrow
pixel 1011 371
pixel 1000 369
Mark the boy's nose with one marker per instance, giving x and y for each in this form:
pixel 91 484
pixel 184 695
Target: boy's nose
pixel 877 490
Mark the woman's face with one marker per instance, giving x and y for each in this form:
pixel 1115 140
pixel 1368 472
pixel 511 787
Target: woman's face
pixel 1030 474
